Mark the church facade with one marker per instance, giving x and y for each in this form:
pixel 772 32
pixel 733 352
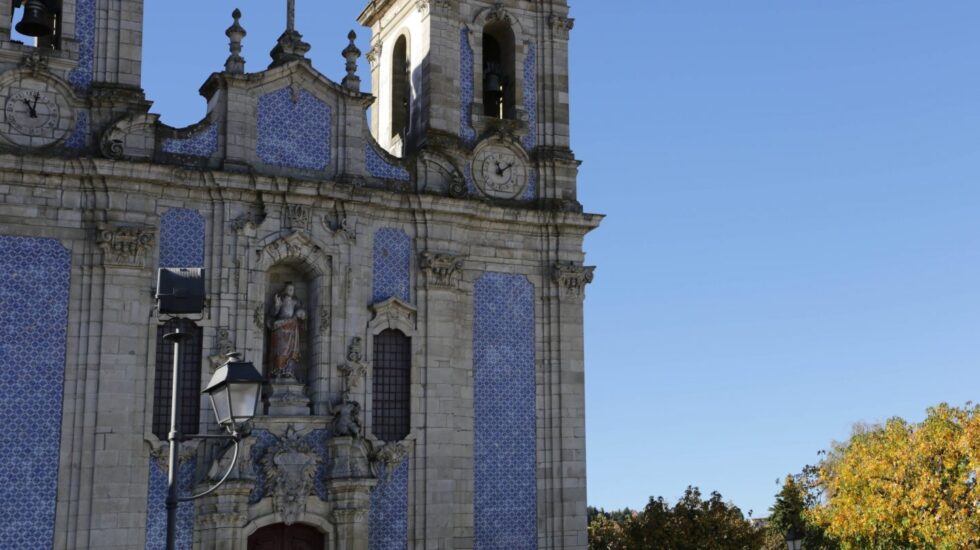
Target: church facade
pixel 404 265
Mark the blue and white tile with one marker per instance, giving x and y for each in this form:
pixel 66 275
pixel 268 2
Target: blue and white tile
pixel 505 481
pixel 81 76
pixel 388 519
pixel 156 506
pixel 202 144
pixel 293 134
pixel 182 238
pixel 467 88
pixel 378 167
pixel 392 265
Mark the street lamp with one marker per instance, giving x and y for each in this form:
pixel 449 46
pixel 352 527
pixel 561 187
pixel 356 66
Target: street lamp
pixel 794 540
pixel 233 390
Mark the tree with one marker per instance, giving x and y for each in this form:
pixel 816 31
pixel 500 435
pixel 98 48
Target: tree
pixel 904 485
pixel 798 495
pixel 693 523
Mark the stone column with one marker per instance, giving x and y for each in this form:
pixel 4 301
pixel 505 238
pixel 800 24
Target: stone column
pixel 349 491
pixel 221 515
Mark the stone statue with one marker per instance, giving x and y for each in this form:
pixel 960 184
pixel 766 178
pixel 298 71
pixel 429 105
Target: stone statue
pixel 286 320
pixel 346 419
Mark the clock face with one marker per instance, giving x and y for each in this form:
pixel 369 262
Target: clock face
pixel 34 114
pixel 499 170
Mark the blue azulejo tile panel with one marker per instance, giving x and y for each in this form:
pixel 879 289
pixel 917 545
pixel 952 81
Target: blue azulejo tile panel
pixel 181 238
pixel 531 97
pixel 79 136
pixel 466 88
pixel 388 520
pixel 81 76
pixel 156 506
pixel 294 130
pixel 531 191
pixel 34 287
pixel 505 483
pixel 202 144
pixel 392 265
pixel 378 167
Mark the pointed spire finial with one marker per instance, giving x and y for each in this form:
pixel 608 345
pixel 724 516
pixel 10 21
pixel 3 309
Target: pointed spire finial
pixel 290 15
pixel 351 54
pixel 235 33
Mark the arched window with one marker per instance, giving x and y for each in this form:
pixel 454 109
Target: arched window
pixel 499 82
pixel 190 379
pixel 401 88
pixel 391 385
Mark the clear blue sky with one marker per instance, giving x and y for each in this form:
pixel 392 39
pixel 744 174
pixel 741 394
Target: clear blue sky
pixel 794 209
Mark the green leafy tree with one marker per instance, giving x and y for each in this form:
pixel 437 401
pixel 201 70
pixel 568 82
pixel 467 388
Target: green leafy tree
pixel 798 494
pixel 694 523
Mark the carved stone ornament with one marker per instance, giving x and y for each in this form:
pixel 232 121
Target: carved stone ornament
pixel 131 137
pixel 572 278
pixel 355 350
pixel 442 270
pixel 125 246
pixel 251 218
pixel 390 456
pixel 347 419
pixel 295 246
pixel 424 6
pixel 223 345
pixel 498 13
pixel 258 316
pixel 325 316
pixel 561 25
pixel 393 314
pixel 290 468
pixel 35 61
pixel 340 227
pixel 374 55
pixel 297 217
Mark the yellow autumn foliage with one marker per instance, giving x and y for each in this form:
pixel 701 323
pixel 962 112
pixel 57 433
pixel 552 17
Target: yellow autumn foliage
pixel 904 485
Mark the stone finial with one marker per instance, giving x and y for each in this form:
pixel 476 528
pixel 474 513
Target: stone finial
pixel 290 46
pixel 235 33
pixel 351 54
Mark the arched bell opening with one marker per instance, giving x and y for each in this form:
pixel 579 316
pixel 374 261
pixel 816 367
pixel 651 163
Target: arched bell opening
pixel 37 23
pixel 499 76
pixel 401 89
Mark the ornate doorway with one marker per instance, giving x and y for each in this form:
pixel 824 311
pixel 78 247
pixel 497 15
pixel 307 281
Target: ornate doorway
pixel 286 537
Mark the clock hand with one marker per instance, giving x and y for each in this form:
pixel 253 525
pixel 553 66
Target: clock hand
pixel 32 112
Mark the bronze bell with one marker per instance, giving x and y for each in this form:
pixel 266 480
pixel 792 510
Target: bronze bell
pixel 38 21
pixel 493 81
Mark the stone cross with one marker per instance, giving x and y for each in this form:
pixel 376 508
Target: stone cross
pixel 290 15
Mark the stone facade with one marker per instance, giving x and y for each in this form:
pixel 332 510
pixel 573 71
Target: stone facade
pixel 464 234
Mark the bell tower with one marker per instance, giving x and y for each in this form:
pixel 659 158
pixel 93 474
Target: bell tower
pixel 465 69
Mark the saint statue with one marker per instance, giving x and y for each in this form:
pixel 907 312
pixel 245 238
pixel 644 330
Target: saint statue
pixel 286 321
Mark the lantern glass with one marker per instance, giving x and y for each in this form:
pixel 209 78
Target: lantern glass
pixel 244 399
pixel 222 405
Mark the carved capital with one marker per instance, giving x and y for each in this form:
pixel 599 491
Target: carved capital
pixel 125 246
pixel 442 270
pixel 348 515
pixel 252 218
pixel 390 456
pixel 572 278
pixel 561 25
pixel 374 55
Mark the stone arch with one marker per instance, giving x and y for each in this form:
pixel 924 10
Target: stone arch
pixel 316 521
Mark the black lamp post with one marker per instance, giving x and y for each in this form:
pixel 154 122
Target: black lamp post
pixel 794 540
pixel 234 388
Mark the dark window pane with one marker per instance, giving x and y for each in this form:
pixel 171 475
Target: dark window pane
pixel 392 376
pixel 190 379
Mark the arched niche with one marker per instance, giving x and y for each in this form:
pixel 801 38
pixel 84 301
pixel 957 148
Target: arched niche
pixel 269 533
pixel 294 258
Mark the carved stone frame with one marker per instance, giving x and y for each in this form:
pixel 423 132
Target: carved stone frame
pixel 312 519
pixel 304 254
pixel 393 314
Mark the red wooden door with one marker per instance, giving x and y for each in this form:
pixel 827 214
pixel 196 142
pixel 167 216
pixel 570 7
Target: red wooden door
pixel 282 537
